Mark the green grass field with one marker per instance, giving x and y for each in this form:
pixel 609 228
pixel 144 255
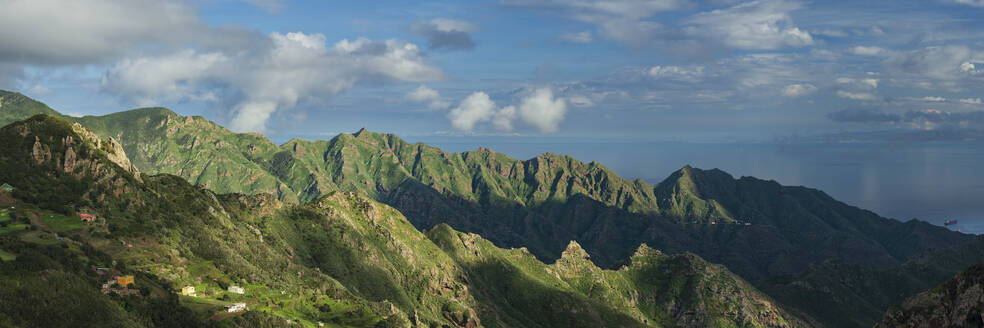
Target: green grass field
pixel 60 223
pixel 14 227
pixel 39 237
pixel 7 256
pixel 4 215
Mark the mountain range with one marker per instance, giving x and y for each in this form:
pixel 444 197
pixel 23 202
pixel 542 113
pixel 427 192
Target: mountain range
pixel 341 259
pixel 827 263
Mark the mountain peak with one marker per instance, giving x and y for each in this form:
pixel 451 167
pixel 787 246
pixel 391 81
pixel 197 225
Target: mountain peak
pixel 361 132
pixel 575 251
pixel 646 251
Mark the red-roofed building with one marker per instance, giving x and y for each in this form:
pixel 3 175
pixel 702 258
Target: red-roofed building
pixel 87 217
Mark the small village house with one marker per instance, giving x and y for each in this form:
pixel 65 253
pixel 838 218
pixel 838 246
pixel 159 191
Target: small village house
pixel 124 281
pixel 87 217
pixel 188 290
pixel 237 290
pixel 237 307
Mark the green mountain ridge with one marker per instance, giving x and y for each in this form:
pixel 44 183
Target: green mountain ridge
pixel 342 259
pixel 759 229
pixel 959 302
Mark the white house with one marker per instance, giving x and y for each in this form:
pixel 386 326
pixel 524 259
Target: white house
pixel 237 290
pixel 237 307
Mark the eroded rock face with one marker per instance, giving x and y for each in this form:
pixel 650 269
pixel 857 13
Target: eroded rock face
pixel 957 303
pixel 114 150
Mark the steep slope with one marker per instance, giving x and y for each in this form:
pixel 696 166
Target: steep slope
pixel 342 259
pixel 529 203
pixel 759 229
pixel 958 302
pixel 852 295
pixel 15 106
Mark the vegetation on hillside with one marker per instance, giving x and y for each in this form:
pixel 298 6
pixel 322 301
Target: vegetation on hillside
pixel 769 234
pixel 340 260
pixel 959 302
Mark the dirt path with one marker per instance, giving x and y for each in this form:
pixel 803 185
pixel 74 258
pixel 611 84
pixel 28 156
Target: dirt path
pixel 36 220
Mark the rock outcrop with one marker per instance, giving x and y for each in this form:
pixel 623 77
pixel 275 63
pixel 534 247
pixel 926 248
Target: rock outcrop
pixel 956 303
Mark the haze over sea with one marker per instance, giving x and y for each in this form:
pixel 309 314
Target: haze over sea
pixel 930 181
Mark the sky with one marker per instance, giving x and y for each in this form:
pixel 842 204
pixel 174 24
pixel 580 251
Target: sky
pixel 716 70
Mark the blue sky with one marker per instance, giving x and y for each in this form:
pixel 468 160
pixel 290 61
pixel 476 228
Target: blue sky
pixel 686 70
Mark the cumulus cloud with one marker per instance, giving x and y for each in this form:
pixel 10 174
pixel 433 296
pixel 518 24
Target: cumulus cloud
pixel 427 95
pixel 97 31
pixel 477 107
pixel 972 101
pixel 754 25
pixel 296 67
pixel 857 89
pixel 971 68
pixel 147 81
pixel 539 109
pixel 445 33
pixel 542 110
pixel 933 99
pixel 578 37
pixel 798 90
pixel 503 119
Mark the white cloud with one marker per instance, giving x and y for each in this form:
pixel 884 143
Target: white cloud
pixel 431 96
pixel 855 95
pixel 147 81
pixel 868 51
pixel 834 33
pixel 970 68
pixel 539 109
pixel 54 32
pixel 626 21
pixel 863 83
pixel 423 93
pixel 503 119
pixel 933 99
pixel 797 90
pixel 298 66
pixel 39 90
pixel 972 101
pixel 937 62
pixel 754 25
pixel 446 33
pixel 477 107
pixel 677 72
pixel 542 110
pixel 578 37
